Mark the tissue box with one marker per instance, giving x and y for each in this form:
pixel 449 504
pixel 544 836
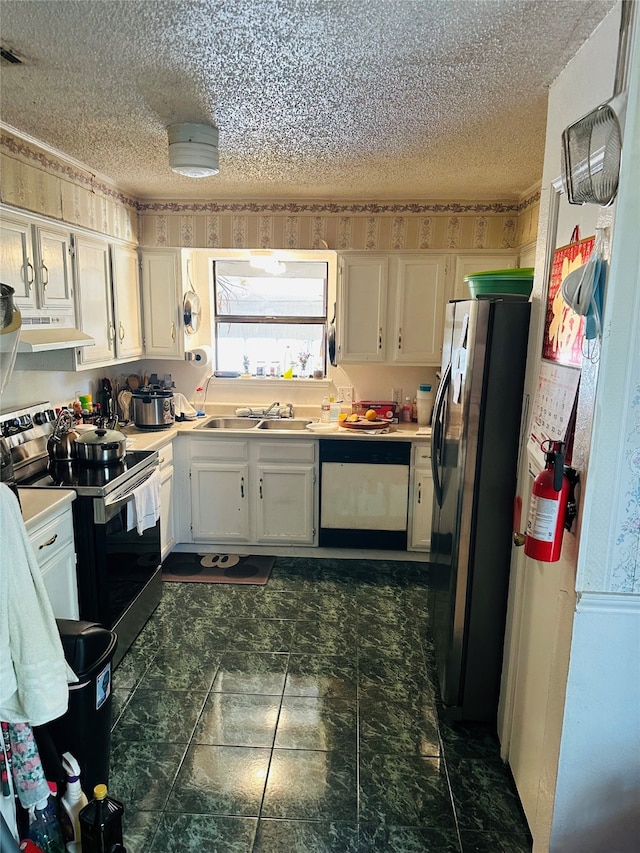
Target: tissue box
pixel 386 409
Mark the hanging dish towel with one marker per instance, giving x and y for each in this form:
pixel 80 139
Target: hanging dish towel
pixel 183 408
pixel 144 510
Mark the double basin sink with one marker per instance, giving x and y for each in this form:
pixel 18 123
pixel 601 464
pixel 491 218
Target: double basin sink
pixel 282 424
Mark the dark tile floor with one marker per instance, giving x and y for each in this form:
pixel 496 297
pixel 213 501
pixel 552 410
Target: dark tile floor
pixel 301 717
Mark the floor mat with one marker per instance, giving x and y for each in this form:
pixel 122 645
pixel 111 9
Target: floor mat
pixel 217 568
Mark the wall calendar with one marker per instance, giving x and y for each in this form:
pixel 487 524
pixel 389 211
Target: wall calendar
pixel 553 404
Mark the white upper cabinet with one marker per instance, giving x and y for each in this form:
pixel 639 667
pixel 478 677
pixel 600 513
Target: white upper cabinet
pixel 391 308
pixel 362 308
pixel 162 304
pixel 94 300
pixel 127 298
pixel 35 261
pixel 418 317
pixel 479 262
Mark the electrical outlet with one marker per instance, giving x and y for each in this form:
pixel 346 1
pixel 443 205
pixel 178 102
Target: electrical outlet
pixel 396 395
pixel 345 393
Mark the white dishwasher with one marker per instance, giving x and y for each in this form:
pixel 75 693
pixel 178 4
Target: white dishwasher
pixel 364 493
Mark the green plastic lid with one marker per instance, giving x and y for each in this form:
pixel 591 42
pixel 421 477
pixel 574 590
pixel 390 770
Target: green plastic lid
pixel 518 272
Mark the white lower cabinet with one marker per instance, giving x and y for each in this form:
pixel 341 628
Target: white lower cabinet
pixel 253 492
pixel 54 546
pixel 167 520
pixel 421 490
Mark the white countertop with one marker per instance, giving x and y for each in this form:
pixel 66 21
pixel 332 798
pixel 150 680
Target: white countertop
pixel 37 504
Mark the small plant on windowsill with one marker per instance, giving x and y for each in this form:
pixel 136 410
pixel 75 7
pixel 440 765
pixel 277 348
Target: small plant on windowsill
pixel 245 365
pixel 303 358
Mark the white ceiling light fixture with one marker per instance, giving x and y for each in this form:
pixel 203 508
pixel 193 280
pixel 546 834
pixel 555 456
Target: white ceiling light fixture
pixel 193 149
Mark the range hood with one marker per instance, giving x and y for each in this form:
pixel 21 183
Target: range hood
pixel 33 339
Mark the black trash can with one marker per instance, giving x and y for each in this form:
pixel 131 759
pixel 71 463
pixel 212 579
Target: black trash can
pixel 85 729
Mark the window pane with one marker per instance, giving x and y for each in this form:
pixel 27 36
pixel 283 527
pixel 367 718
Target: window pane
pixel 293 289
pixel 277 347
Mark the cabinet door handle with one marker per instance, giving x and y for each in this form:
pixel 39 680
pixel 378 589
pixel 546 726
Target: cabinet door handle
pixel 379 338
pixel 400 338
pixel 260 488
pixel 419 493
pixel 120 331
pixel 48 542
pixel 45 277
pixel 241 487
pixel 30 275
pixel 173 332
pixel 112 333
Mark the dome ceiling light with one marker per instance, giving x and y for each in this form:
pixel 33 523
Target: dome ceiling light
pixel 193 149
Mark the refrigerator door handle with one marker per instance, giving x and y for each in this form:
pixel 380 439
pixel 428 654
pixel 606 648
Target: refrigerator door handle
pixel 437 434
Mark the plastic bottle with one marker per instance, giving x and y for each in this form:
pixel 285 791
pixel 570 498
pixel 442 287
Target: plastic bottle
pixel 44 827
pixel 425 404
pixel 198 401
pixel 72 803
pixel 406 411
pixel 101 822
pixel 325 410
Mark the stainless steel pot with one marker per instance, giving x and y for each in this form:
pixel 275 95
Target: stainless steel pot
pixel 101 446
pixel 153 408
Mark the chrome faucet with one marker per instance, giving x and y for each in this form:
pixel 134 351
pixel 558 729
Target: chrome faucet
pixel 270 413
pixel 287 410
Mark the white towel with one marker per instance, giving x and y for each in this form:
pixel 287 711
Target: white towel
pixel 144 510
pixel 183 408
pixel 33 670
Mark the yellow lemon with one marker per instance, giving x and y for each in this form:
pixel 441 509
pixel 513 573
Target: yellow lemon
pixel 371 415
pixel 342 417
pixel 353 419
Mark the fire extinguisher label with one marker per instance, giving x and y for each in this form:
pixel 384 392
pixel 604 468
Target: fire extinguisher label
pixel 543 517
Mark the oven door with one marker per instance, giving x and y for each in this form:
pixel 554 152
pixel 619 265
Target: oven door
pixel 119 574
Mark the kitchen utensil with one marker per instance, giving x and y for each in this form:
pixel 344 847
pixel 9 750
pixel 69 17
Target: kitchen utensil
pixel 101 446
pixel 62 443
pixel 191 308
pixel 591 146
pixel 153 408
pixel 133 382
pixel 124 399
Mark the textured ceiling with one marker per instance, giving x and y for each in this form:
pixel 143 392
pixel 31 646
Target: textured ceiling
pixel 314 99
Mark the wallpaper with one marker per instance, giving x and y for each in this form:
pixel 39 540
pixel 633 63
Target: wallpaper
pixel 35 180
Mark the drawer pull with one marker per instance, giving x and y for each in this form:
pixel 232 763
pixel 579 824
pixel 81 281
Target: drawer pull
pixel 48 542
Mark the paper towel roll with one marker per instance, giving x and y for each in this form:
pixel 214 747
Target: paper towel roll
pixel 200 356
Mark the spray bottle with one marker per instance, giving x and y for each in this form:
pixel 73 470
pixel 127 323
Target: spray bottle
pixel 72 802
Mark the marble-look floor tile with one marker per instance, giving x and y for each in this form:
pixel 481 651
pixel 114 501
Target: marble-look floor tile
pixel 306 785
pixel 376 838
pixel 198 833
pixel 484 796
pixel 321 675
pixel 469 740
pixel 323 638
pixel 119 700
pixel 405 790
pixel 141 774
pixel 267 603
pixel 251 672
pixel 300 836
pixel 308 722
pixel 138 829
pixel 220 780
pixel 238 719
pixel 496 842
pixel 394 727
pixel 336 608
pixel 181 668
pixel 133 665
pixel 166 716
pixel 266 635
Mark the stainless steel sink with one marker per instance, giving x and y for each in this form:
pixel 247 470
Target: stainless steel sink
pixel 229 423
pixel 284 424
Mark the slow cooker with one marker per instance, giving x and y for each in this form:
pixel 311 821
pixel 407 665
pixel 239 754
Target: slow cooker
pixel 153 408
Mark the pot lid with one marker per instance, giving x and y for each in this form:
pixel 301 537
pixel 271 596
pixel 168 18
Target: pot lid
pixel 101 436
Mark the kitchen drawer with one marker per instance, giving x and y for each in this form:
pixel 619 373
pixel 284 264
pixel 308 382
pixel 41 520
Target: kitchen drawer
pixel 165 455
pixel 286 450
pixel 52 537
pixel 422 455
pixel 219 449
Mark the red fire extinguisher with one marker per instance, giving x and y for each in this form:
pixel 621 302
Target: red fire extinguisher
pixel 545 524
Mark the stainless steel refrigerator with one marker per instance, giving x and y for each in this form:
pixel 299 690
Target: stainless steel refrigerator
pixel 475 444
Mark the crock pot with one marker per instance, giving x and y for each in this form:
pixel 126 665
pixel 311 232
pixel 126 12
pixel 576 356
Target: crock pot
pixel 153 408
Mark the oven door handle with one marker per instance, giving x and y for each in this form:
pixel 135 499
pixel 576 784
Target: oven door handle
pixel 106 508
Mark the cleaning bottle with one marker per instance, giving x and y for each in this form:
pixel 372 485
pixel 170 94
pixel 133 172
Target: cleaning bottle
pixel 101 823
pixel 325 410
pixel 198 401
pixel 44 827
pixel 72 803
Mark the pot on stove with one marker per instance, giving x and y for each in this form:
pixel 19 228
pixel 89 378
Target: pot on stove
pixel 101 446
pixel 153 408
pixel 61 445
